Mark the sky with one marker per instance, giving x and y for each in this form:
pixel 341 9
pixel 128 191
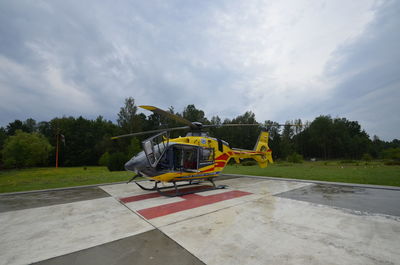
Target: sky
pixel 282 60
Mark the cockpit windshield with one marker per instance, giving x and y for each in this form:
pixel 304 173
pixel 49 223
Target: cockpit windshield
pixel 154 147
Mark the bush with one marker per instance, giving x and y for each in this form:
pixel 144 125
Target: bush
pixel 134 147
pixel 347 161
pixel 366 157
pixel 231 161
pixel 26 150
pixel 295 158
pixel 116 162
pixel 392 163
pixel 103 161
pixel 392 153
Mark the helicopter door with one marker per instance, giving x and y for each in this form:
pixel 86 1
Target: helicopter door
pixel 154 148
pixel 186 158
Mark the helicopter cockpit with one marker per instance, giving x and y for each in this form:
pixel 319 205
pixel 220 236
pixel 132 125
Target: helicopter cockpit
pixel 169 156
pixel 186 158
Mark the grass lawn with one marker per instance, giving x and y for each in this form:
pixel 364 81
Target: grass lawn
pixel 46 178
pixel 358 172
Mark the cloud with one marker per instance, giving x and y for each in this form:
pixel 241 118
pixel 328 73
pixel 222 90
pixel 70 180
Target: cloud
pixel 280 59
pixel 367 75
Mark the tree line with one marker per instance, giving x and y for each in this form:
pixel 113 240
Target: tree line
pixel 84 142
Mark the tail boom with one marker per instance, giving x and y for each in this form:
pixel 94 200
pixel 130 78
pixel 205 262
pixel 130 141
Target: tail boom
pixel 261 153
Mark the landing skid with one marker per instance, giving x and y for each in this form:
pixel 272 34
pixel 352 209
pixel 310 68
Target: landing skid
pixel 180 192
pixel 186 191
pixel 129 181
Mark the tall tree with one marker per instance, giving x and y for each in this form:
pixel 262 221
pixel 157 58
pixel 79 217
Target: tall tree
pixel 320 130
pixel 215 131
pixel 216 120
pixel 242 137
pixel 192 114
pixel 287 139
pixel 333 138
pixel 30 125
pixel 12 127
pixel 127 118
pixel 3 137
pixel 275 138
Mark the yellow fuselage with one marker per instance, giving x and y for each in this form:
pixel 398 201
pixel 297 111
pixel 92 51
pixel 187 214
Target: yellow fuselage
pixel 222 154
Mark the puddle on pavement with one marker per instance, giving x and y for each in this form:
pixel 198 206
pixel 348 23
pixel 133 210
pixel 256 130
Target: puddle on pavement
pixel 359 199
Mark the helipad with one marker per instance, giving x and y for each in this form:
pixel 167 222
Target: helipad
pixel 253 221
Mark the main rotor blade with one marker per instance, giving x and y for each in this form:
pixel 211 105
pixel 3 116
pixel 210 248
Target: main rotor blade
pixel 148 132
pixel 280 125
pixel 230 125
pixel 169 115
pixel 252 124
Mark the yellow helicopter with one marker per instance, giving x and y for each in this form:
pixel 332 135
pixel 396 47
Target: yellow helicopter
pixel 190 159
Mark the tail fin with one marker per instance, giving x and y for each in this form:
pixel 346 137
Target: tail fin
pixel 262 146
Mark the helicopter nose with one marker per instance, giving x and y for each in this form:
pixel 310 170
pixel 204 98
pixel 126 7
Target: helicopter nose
pixel 130 165
pixel 136 162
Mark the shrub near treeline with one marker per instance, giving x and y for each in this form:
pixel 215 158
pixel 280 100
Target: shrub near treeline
pixel 25 150
pixel 393 156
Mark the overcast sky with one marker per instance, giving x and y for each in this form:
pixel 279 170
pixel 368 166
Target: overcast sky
pixel 280 59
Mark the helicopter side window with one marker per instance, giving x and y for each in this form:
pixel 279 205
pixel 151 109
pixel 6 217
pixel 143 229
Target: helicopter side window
pixel 206 156
pixel 149 151
pixel 178 162
pixel 190 158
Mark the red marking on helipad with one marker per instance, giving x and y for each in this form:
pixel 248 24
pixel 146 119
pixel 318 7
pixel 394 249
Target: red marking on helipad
pixel 139 197
pixel 156 194
pixel 191 201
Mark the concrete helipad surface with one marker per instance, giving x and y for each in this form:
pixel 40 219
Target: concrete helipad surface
pixel 253 221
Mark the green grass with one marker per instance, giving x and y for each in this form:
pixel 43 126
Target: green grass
pixel 46 178
pixel 356 172
pixel 339 171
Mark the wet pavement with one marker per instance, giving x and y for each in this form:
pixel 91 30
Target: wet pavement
pixel 364 200
pixel 150 248
pixel 252 221
pixel 19 201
